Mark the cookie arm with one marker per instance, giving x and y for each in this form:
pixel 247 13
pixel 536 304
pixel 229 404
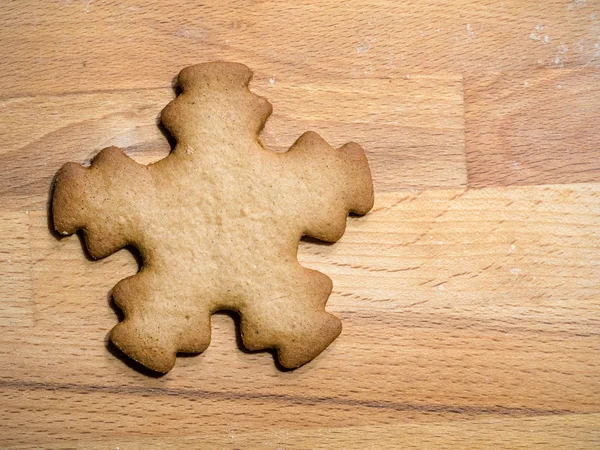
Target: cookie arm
pixel 99 200
pixel 336 181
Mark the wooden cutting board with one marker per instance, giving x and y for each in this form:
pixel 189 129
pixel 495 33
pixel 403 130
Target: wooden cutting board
pixel 470 295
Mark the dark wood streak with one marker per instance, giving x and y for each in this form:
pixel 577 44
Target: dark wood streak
pixel 195 394
pixel 423 320
pixel 23 96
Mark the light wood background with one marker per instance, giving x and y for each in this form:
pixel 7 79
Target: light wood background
pixel 470 296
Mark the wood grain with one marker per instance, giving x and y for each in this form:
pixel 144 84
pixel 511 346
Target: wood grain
pixel 469 296
pixel 399 134
pixel 533 127
pixel 488 296
pixel 16 288
pixel 74 46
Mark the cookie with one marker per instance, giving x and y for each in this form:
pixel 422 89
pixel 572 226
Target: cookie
pixel 217 224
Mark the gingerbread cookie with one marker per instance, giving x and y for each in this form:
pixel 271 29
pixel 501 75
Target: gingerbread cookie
pixel 217 223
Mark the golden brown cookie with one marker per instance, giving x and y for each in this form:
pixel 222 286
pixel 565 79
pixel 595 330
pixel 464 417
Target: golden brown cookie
pixel 217 224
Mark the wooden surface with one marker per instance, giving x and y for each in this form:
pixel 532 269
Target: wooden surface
pixel 470 296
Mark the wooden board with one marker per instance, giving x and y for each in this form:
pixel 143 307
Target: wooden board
pixel 470 296
pixel 394 129
pixel 83 45
pixel 533 127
